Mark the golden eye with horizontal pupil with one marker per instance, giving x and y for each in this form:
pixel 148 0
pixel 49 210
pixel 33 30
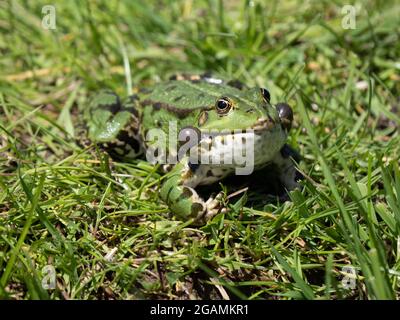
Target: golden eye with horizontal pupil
pixel 223 105
pixel 266 95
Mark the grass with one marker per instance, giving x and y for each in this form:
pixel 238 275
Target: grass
pixel 101 225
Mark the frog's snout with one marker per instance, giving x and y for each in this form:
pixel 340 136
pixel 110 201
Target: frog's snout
pixel 285 114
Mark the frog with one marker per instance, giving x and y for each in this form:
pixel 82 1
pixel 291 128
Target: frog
pixel 198 105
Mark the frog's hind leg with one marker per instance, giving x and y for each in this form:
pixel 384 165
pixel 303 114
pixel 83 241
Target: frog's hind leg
pixel 104 100
pixel 126 141
pixel 288 174
pixel 126 145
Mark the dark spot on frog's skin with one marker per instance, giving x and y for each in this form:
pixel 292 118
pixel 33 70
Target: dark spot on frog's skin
pixel 209 173
pixel 134 112
pixel 178 98
pixel 193 166
pixel 157 106
pixel 114 106
pixel 287 152
pixel 116 150
pixel 249 110
pixel 170 88
pixel 133 98
pixel 125 137
pixel 181 113
pixel 131 105
pixel 186 192
pixel 195 209
pixel 145 90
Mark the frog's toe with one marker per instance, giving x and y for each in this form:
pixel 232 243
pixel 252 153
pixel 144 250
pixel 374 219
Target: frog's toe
pixel 213 203
pixel 214 206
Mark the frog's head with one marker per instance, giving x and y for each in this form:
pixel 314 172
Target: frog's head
pixel 233 114
pixel 249 109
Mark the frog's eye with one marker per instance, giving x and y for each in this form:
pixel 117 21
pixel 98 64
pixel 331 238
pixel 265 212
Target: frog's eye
pixel 223 105
pixel 266 95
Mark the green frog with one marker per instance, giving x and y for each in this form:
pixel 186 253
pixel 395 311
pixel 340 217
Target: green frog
pixel 211 118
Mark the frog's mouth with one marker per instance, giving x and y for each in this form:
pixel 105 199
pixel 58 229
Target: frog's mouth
pixel 259 127
pixel 256 146
pixel 263 124
pixel 230 148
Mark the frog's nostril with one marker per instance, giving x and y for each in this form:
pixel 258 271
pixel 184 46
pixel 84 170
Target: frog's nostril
pixel 285 114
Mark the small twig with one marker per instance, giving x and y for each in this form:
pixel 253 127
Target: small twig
pixel 237 192
pixel 220 288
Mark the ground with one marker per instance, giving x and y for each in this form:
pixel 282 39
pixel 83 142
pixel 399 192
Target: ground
pixel 98 227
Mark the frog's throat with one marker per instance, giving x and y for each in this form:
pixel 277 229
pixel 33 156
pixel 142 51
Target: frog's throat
pixel 250 148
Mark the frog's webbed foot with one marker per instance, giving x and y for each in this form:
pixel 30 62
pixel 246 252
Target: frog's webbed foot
pixel 288 174
pixel 179 194
pixel 213 207
pixel 187 204
pixel 209 209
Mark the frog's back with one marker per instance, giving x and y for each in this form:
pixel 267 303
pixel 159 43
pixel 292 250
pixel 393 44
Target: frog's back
pixel 185 94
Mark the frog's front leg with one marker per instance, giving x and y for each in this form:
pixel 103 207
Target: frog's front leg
pixel 288 174
pixel 179 194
